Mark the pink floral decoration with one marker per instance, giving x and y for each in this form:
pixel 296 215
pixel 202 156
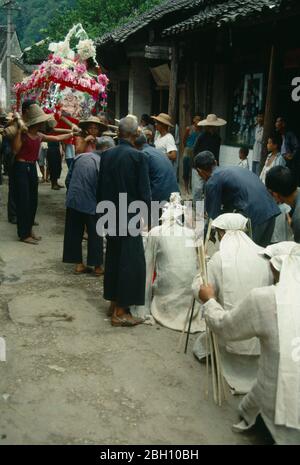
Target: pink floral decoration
pixel 57 60
pixel 103 79
pixel 80 68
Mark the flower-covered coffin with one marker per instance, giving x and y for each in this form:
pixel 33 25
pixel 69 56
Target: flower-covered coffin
pixel 65 77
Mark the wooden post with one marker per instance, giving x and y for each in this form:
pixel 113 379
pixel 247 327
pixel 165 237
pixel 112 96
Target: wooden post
pixel 173 84
pixel 182 123
pixel 160 100
pixel 271 102
pixel 211 76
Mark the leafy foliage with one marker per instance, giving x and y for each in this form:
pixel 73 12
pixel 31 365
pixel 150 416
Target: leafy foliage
pixel 34 17
pixel 99 16
pixel 39 19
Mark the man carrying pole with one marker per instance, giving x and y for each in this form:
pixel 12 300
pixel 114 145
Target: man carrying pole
pixel 272 314
pixel 234 271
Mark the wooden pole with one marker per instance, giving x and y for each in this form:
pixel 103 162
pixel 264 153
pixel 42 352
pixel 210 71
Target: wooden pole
pixel 185 325
pixel 189 329
pixel 271 101
pixel 213 368
pixel 217 373
pixel 8 58
pixel 207 236
pixel 173 84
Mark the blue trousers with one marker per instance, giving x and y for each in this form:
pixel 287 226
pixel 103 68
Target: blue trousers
pixel 25 181
pixel 74 229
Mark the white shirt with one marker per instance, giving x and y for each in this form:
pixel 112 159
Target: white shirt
pixel 257 148
pixel 256 316
pixel 165 144
pixel 244 164
pixel 277 161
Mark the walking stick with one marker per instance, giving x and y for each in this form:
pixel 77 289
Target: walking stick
pixel 213 368
pixel 189 329
pixel 185 326
pixel 209 337
pixel 222 381
pixel 217 373
pixel 207 360
pixel 203 267
pixel 207 235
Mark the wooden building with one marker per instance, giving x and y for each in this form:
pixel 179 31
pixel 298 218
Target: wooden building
pixel 137 59
pixel 231 58
pixel 18 69
pixel 237 58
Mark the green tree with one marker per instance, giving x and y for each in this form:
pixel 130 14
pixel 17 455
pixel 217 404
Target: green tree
pixel 36 15
pixel 97 17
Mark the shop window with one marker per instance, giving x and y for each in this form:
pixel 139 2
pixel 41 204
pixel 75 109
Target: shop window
pixel 247 100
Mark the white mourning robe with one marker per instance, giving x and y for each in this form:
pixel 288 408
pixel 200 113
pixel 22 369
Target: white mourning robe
pixel 256 316
pixel 170 253
pixel 239 359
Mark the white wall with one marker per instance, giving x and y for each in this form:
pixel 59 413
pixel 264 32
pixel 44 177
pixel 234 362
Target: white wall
pixel 139 98
pixel 230 156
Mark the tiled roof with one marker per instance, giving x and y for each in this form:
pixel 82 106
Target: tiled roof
pixel 221 12
pixel 180 9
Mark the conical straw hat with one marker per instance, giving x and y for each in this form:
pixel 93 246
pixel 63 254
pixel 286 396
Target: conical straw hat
pixel 164 119
pixel 92 119
pixel 35 115
pixel 212 120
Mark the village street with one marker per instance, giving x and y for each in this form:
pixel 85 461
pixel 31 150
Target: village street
pixel 71 378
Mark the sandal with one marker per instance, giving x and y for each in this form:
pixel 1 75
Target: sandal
pixel 84 270
pixel 29 240
pixel 36 238
pixel 123 321
pixel 99 271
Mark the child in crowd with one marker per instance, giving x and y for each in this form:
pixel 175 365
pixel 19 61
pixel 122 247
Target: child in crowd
pixel 243 156
pixel 274 158
pixel 282 230
pixel 91 129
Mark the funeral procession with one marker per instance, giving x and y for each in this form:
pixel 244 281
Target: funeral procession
pixel 149 226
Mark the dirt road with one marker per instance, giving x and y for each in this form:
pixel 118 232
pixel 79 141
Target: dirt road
pixel 70 378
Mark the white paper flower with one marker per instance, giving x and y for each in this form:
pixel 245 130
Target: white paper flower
pixel 62 49
pixel 86 49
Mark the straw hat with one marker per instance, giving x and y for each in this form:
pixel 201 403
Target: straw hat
pixel 92 120
pixel 10 131
pixel 164 119
pixel 49 125
pixel 212 120
pixel 35 115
